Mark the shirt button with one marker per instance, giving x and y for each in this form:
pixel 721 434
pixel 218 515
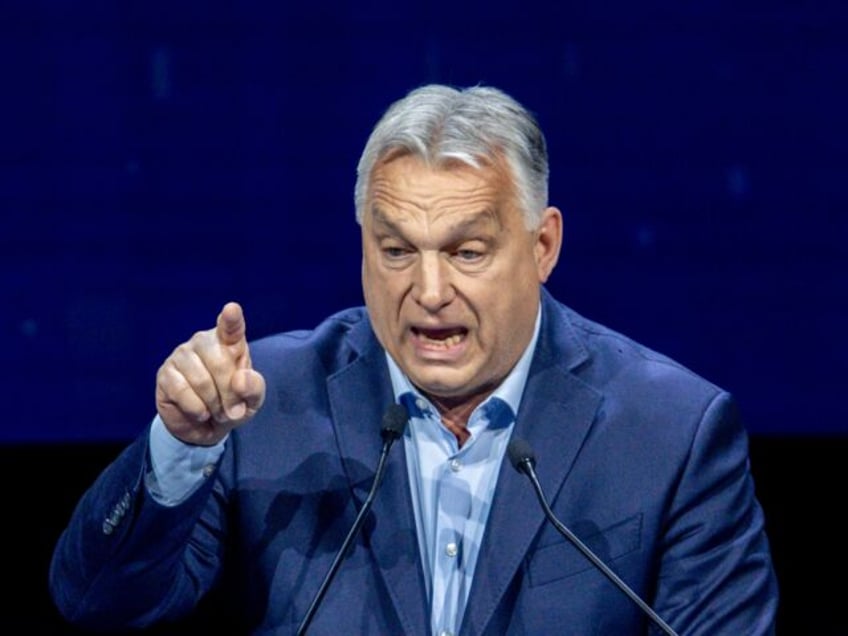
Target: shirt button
pixel 445 632
pixel 421 404
pixel 451 549
pixel 455 465
pixel 208 470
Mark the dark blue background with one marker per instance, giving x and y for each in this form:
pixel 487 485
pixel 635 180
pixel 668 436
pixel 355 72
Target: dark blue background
pixel 160 158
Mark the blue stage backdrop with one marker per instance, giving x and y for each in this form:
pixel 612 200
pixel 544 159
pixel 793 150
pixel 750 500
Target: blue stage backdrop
pixel 162 158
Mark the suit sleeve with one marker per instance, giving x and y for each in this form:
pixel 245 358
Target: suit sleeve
pixel 716 575
pixel 125 560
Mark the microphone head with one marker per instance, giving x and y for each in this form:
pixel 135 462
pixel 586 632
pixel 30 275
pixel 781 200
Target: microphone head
pixel 520 454
pixel 394 422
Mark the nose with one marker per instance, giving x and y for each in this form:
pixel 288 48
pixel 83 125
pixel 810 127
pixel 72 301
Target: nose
pixel 432 288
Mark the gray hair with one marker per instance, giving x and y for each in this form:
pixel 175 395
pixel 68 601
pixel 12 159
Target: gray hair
pixel 475 126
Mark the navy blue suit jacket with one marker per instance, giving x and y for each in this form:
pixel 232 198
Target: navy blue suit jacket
pixel 645 461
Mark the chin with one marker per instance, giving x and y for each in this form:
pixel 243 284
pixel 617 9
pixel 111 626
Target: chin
pixel 435 385
pixel 442 389
pixel 443 380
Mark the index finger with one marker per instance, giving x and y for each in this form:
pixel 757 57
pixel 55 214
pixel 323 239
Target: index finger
pixel 230 328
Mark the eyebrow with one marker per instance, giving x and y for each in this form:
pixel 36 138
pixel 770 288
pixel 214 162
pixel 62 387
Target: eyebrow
pixel 381 217
pixel 478 218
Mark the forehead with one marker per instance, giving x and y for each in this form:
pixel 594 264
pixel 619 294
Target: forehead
pixel 408 181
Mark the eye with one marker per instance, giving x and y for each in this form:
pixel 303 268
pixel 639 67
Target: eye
pixel 393 252
pixel 473 252
pixel 468 255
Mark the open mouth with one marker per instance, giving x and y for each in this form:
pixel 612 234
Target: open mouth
pixel 444 338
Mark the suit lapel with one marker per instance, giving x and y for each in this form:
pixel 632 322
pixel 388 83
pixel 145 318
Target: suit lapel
pixel 556 413
pixel 359 395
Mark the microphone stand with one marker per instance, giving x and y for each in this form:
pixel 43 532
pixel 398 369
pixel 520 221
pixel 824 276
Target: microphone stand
pixel 393 423
pixel 525 463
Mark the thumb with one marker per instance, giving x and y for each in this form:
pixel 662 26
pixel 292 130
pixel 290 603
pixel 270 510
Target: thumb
pixel 230 328
pixel 249 385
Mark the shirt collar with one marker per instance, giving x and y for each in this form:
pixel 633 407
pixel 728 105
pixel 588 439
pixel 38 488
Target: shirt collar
pixel 509 391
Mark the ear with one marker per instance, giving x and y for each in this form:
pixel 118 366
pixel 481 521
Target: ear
pixel 548 242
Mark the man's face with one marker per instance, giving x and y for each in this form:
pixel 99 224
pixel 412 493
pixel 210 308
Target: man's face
pixel 450 273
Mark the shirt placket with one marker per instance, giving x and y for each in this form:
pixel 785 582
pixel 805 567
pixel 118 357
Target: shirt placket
pixel 454 506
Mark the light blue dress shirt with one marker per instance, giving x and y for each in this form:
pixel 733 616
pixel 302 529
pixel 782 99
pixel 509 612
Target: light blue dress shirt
pixel 452 488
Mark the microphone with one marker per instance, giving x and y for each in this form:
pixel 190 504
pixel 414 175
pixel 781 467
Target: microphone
pixel 393 425
pixel 524 461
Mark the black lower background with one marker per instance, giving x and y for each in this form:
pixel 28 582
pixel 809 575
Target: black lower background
pixel 800 482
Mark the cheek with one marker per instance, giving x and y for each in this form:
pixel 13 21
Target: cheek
pixel 372 278
pixel 506 304
pixel 383 292
pixel 371 284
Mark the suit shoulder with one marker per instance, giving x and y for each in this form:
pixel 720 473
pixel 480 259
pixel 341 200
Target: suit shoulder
pixel 613 354
pixel 333 342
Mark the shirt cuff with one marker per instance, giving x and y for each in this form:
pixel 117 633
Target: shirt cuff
pixel 177 468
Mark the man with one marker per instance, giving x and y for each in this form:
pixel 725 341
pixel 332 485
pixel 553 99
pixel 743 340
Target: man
pixel 261 454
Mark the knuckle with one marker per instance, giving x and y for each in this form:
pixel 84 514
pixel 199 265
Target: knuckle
pixel 169 379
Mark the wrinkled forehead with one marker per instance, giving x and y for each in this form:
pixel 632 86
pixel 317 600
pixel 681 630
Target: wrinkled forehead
pixel 405 186
pixel 493 168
